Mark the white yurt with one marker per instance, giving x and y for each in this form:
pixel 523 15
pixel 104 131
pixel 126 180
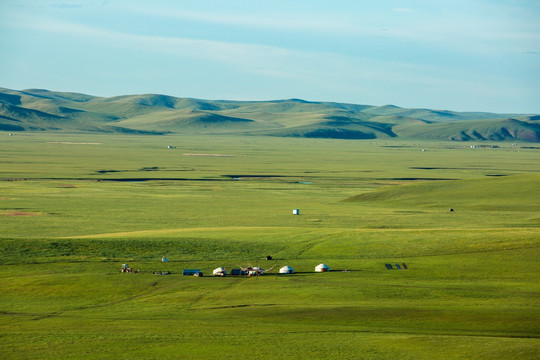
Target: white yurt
pixel 322 268
pixel 219 272
pixel 286 270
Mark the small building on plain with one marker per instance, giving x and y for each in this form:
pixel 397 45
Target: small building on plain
pixel 238 272
pixel 219 272
pixel 191 272
pixel 286 270
pixel 322 268
pixel 296 212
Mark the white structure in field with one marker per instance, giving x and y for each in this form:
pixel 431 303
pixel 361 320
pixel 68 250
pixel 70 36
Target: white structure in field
pixel 286 270
pixel 322 268
pixel 296 212
pixel 219 272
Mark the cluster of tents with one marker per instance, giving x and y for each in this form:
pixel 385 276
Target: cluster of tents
pixel 319 268
pixel 256 271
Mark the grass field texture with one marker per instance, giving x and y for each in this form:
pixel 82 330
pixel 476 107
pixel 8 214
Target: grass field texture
pixel 73 208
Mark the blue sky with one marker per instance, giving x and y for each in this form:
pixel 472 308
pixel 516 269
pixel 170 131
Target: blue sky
pixel 459 55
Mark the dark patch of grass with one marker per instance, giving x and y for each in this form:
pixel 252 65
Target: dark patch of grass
pixel 108 171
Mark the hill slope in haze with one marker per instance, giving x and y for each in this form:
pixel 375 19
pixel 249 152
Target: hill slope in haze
pixel 43 110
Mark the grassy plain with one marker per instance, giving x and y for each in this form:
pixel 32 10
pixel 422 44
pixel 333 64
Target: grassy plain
pixel 73 208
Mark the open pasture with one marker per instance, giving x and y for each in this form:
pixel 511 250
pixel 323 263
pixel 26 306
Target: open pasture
pixel 73 208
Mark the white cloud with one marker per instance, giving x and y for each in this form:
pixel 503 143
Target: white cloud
pixel 260 59
pixel 306 21
pixel 240 54
pixel 452 28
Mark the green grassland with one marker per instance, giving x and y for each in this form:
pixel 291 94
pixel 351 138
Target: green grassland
pixel 74 207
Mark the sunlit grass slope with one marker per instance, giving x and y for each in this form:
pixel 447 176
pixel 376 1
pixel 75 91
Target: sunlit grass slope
pixel 505 193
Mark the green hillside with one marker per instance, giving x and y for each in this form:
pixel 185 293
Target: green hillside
pixel 43 110
pixel 505 193
pixel 493 130
pixel 187 120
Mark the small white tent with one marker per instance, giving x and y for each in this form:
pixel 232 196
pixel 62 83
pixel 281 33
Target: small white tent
pixel 286 270
pixel 322 268
pixel 219 272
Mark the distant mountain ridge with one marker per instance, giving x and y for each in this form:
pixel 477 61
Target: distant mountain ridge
pixel 154 114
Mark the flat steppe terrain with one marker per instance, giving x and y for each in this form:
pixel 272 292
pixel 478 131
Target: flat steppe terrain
pixel 74 208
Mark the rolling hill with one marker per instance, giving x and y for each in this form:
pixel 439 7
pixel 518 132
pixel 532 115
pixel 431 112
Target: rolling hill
pixel 43 110
pixel 511 193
